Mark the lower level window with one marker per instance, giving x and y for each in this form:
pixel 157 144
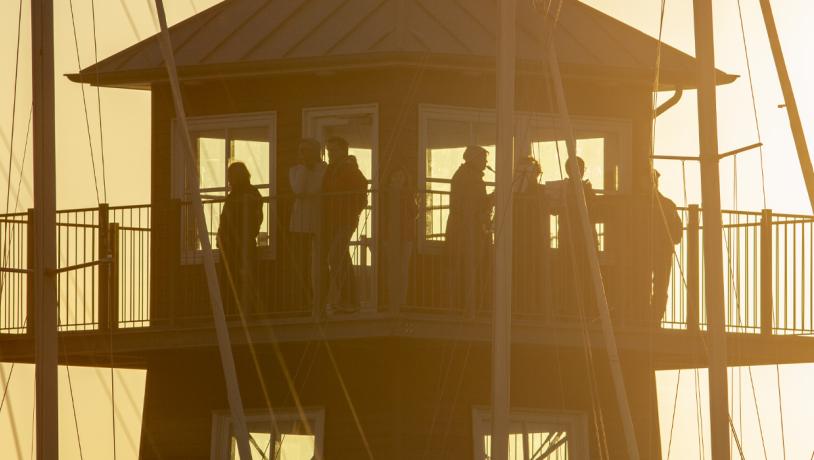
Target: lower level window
pixel 282 435
pixel 534 434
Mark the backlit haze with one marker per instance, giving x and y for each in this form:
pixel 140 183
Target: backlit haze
pixel 126 132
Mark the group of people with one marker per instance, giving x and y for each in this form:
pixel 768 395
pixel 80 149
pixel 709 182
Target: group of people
pixel 329 198
pixel 328 201
pixel 469 235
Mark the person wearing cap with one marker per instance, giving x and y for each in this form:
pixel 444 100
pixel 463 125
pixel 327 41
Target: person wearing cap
pixel 240 221
pixel 468 232
pixel 666 229
pixel 305 224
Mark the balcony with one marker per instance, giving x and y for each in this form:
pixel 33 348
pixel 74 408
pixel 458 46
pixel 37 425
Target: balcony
pixel 106 277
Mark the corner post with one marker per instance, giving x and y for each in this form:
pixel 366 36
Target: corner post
pixel 103 252
pixel 29 277
pixel 766 272
pixel 693 268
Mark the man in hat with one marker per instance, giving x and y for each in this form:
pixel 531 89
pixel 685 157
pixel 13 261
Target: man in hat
pixel 666 230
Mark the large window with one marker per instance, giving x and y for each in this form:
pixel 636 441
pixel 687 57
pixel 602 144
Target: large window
pixel 445 132
pixel 217 142
pixel 534 435
pixel 282 435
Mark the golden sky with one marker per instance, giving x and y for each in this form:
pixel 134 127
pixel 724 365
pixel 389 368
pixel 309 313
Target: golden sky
pixel 126 122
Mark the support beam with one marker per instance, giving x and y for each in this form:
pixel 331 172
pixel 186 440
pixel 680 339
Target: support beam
pixel 501 325
pixel 45 283
pixel 712 240
pixel 791 102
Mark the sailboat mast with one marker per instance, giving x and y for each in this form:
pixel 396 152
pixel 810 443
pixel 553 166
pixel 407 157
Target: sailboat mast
pixel 791 102
pixel 711 208
pixel 45 301
pixel 501 325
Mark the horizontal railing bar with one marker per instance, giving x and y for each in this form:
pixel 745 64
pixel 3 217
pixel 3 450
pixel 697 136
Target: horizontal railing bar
pixel 94 263
pixel 15 270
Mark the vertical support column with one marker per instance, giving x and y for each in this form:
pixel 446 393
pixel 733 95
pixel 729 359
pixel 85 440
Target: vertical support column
pixel 45 282
pixel 502 311
pixel 31 242
pixel 103 253
pixel 113 281
pixel 791 103
pixel 693 269
pixel 713 247
pixel 766 272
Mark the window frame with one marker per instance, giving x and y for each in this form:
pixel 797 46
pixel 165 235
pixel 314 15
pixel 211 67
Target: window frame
pixel 572 422
pixel 226 122
pixel 220 444
pixel 620 130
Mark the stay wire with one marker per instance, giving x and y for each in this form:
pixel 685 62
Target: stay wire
pixel 84 104
pixel 754 102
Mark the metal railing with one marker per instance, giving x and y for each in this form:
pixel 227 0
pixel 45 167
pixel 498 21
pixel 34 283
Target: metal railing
pixel 401 261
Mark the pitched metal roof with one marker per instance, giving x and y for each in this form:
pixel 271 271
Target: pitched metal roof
pixel 265 36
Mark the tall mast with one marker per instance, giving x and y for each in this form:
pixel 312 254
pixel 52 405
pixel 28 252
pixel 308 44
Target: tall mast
pixel 711 208
pixel 501 325
pixel 45 311
pixel 791 102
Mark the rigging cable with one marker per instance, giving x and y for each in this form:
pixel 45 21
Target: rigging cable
pixel 754 101
pixel 84 104
pixel 98 99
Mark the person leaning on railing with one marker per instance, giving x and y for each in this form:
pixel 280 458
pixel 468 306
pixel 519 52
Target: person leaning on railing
pixel 240 221
pixel 345 197
pixel 666 231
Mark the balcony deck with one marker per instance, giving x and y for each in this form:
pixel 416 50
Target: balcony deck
pixel 108 310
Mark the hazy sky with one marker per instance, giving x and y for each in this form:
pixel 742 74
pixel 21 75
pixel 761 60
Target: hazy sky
pixel 125 128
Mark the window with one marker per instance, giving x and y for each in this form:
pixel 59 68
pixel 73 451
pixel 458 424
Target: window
pixel 283 436
pixel 357 124
pixel 604 144
pixel 534 435
pixel 218 141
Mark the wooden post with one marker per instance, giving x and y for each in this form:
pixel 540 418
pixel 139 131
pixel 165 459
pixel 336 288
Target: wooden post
pixel 693 269
pixel 504 160
pixel 102 253
pixel 45 261
pixel 766 272
pixel 31 242
pixel 113 280
pixel 713 239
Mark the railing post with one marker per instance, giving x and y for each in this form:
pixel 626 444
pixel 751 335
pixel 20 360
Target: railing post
pixel 693 268
pixel 766 273
pixel 102 253
pixel 29 277
pixel 113 281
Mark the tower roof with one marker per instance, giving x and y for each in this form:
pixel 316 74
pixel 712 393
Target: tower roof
pixel 254 37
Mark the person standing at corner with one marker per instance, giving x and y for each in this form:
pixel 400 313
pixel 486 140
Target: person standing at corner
pixel 240 221
pixel 467 232
pixel 345 192
pixel 666 230
pixel 305 179
pixel 401 209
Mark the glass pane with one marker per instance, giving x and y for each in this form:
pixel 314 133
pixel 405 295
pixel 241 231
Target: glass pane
pixel 211 159
pixel 553 154
pixel 533 445
pixel 251 146
pixel 288 447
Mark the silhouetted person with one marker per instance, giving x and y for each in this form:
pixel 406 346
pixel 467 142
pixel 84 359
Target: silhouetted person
pixel 666 230
pixel 306 179
pixel 467 232
pixel 529 231
pixel 345 189
pixel 577 284
pixel 399 240
pixel 240 222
